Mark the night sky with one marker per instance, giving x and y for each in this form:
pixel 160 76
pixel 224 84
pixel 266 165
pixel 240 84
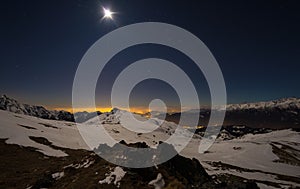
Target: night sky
pixel 255 43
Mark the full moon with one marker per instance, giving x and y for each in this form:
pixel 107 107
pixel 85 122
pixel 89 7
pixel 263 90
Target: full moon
pixel 107 13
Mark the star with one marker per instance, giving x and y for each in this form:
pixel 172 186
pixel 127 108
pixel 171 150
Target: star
pixel 107 13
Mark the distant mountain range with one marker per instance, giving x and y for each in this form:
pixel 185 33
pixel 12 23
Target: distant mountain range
pixel 281 113
pixel 282 104
pixel 12 105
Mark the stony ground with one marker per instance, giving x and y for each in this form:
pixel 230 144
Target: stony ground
pixel 24 167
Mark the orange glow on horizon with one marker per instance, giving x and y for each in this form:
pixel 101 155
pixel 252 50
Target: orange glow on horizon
pixel 139 110
pixel 105 109
pixel 84 109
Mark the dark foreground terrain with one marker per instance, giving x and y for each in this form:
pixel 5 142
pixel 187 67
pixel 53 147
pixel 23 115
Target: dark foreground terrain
pixel 24 167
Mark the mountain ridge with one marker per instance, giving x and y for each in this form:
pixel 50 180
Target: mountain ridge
pixel 12 105
pixel 280 110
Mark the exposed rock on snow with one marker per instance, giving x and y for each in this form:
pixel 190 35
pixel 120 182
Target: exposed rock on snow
pixel 81 117
pixel 14 106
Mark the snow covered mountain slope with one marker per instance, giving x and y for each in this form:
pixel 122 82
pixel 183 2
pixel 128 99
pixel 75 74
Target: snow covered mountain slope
pixel 277 114
pixel 13 105
pixel 282 113
pixel 119 126
pixel 18 129
pixel 81 117
pixel 284 103
pixel 39 153
pixel 270 159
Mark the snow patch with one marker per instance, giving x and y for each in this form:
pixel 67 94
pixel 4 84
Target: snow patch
pixel 115 177
pixel 58 175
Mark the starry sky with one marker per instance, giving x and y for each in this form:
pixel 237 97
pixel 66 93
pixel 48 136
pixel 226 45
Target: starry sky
pixel 255 43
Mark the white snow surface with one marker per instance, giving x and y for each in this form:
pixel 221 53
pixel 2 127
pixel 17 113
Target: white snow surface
pixel 253 152
pixel 59 133
pixel 283 103
pixel 115 176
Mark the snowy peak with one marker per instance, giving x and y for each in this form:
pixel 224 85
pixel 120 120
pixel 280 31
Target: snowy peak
pixel 284 103
pixel 105 117
pixel 81 117
pixel 12 105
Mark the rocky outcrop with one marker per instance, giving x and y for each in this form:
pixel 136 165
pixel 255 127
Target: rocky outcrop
pixel 177 172
pixel 81 117
pixel 14 106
